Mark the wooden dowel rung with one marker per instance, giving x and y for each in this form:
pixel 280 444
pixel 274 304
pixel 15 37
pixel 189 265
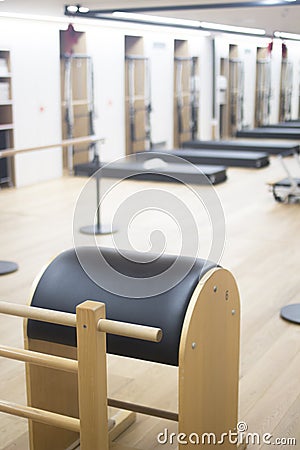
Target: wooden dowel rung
pixel 39 415
pixel 130 330
pixel 142 409
pixel 43 315
pixel 39 359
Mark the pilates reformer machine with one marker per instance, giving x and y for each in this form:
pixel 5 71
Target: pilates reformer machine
pixel 272 147
pixel 212 157
pixel 157 166
pixel 285 124
pixel 270 133
pixel 72 322
pixel 288 189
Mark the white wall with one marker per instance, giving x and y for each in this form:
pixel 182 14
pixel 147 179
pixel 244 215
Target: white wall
pixel 106 46
pixel 159 49
pixel 200 46
pixel 34 50
pixel 34 46
pixel 248 56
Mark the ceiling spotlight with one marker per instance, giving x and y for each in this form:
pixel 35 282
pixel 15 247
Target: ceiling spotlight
pixel 83 9
pixel 72 9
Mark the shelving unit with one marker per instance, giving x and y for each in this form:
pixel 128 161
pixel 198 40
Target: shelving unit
pixel 6 117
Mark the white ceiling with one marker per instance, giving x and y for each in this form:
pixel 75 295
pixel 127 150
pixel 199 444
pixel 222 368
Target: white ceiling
pixel 282 18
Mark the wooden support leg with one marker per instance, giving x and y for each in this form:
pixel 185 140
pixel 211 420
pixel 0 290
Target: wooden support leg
pixel 92 377
pixel 209 362
pixel 119 423
pixel 122 421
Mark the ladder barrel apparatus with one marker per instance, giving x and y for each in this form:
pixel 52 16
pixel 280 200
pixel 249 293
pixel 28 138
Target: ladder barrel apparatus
pixel 73 322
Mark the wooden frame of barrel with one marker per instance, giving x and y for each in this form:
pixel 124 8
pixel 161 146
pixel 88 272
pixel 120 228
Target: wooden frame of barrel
pixel 208 373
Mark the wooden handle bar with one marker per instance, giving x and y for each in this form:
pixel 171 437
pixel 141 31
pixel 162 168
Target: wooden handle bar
pixel 39 415
pixel 39 359
pixel 130 330
pixel 44 315
pixel 68 319
pixel 65 143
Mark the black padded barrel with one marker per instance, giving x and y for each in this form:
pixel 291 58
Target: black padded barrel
pixel 65 284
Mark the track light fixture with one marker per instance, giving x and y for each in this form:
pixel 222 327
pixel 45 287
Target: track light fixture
pixel 164 21
pixel 74 9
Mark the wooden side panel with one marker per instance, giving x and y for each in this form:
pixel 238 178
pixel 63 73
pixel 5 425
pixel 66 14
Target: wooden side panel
pixel 52 390
pixel 209 360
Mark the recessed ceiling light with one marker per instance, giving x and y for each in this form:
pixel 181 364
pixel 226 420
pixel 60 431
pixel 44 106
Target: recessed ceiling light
pixel 83 9
pixel 72 8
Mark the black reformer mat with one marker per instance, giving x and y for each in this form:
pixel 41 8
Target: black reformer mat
pixel 166 172
pixel 238 145
pixel 227 158
pixel 270 133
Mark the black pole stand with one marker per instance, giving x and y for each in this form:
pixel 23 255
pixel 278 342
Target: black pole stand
pixel 291 313
pixel 98 228
pixel 7 267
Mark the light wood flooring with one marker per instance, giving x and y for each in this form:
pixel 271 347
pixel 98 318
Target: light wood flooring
pixel 262 250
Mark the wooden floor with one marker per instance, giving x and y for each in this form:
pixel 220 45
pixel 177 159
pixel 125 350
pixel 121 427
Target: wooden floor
pixel 262 250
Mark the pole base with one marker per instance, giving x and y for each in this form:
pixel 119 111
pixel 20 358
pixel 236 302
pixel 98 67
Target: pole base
pixel 7 267
pixel 291 313
pixel 97 229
